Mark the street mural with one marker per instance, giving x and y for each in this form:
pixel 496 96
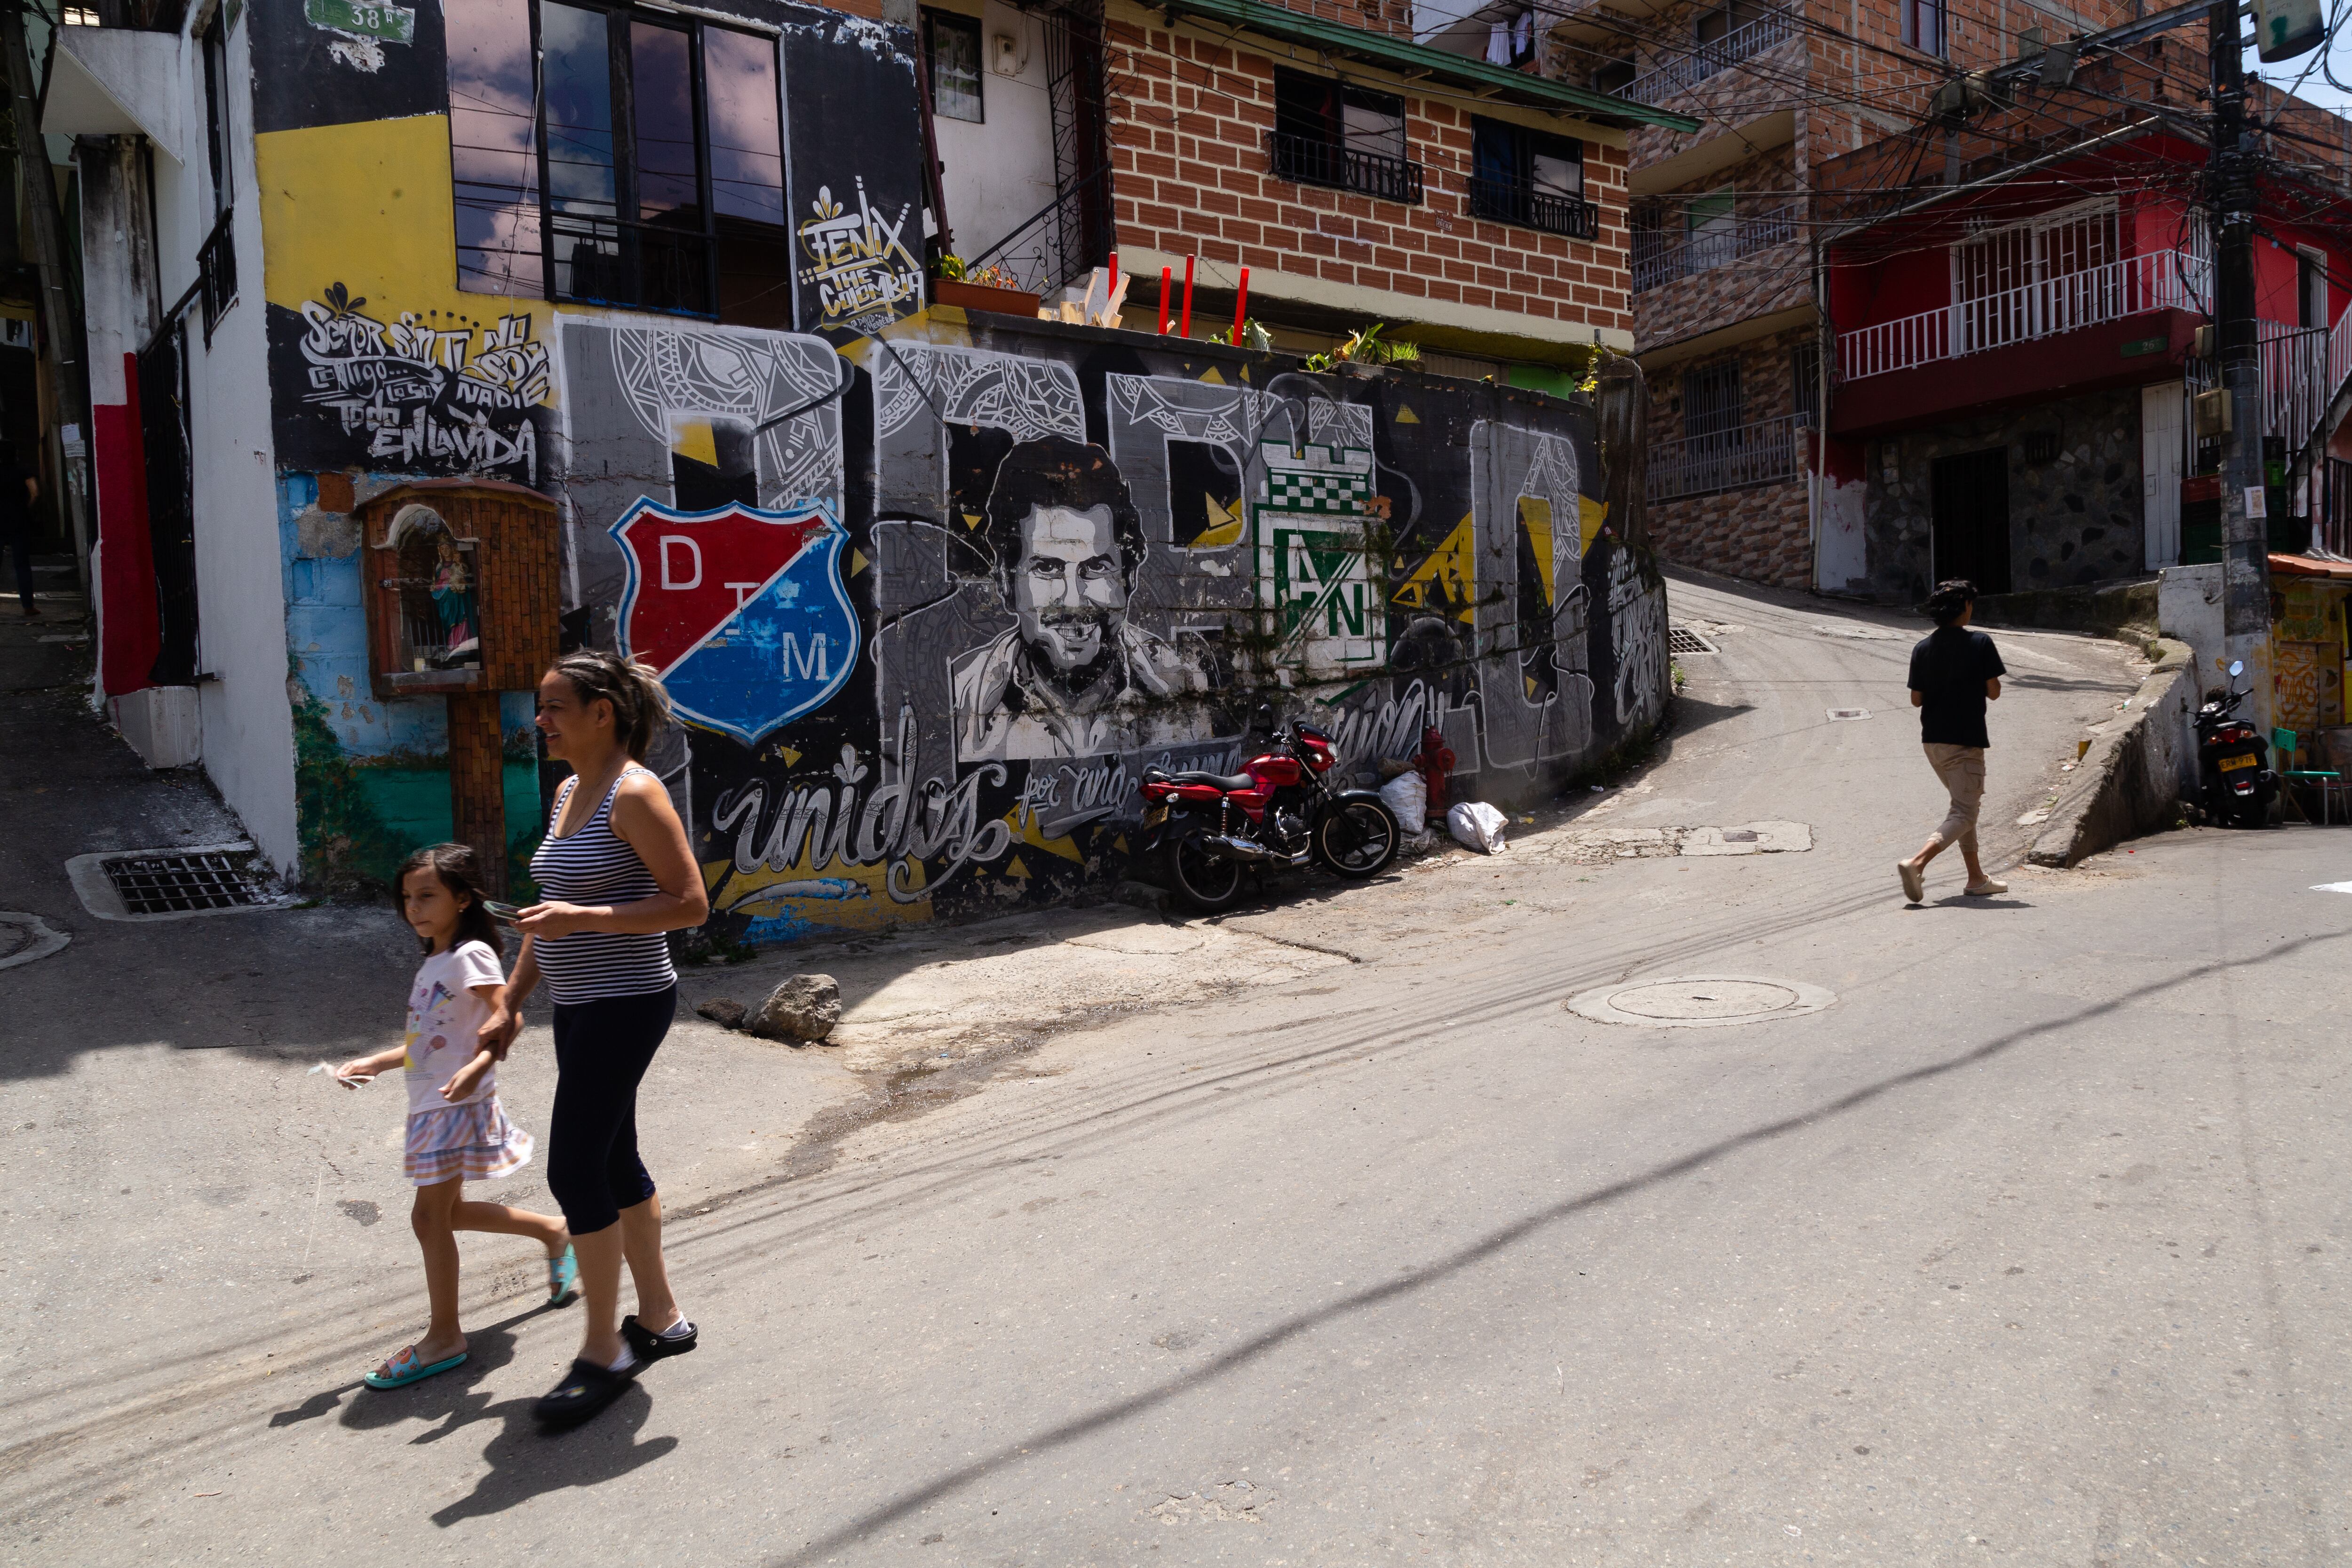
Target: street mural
pixel 428 392
pixel 926 635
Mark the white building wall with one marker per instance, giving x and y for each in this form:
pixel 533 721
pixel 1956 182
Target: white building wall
pixel 248 727
pixel 1000 172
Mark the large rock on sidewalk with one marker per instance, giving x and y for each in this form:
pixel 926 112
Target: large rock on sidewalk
pixel 802 1009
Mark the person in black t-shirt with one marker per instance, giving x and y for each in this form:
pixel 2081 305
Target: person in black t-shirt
pixel 18 491
pixel 1954 673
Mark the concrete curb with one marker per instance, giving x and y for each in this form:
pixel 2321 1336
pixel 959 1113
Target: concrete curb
pixel 2130 780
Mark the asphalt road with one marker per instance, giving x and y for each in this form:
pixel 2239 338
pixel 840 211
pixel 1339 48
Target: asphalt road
pixel 2024 1249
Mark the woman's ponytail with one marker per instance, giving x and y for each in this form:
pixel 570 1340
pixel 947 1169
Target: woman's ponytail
pixel 640 703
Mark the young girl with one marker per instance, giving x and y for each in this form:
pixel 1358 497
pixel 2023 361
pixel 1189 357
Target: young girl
pixel 457 1128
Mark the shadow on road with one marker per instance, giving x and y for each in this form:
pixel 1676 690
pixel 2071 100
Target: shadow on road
pixel 1493 1243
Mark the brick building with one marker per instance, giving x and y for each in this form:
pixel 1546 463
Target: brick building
pixel 1726 320
pixel 1357 175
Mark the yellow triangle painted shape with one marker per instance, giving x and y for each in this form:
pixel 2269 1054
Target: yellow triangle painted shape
pixel 1589 514
pixel 971 520
pixel 1014 867
pixel 1406 416
pixel 1212 378
pixel 1226 529
pixel 693 438
pixel 1535 516
pixel 1451 566
pixel 792 758
pixel 857 562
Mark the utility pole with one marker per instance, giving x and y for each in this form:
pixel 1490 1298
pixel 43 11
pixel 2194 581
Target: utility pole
pixel 2245 533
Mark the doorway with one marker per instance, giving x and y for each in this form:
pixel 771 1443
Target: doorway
pixel 1971 500
pixel 2161 444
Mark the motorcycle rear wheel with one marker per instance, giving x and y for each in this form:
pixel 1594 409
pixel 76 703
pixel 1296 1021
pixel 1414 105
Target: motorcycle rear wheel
pixel 1201 881
pixel 1358 839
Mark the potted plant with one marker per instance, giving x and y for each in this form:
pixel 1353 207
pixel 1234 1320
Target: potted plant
pixel 981 289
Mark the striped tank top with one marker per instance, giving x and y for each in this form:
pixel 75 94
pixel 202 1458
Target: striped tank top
pixel 595 866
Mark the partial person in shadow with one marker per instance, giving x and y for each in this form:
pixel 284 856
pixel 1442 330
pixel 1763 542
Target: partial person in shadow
pixel 18 491
pixel 1954 673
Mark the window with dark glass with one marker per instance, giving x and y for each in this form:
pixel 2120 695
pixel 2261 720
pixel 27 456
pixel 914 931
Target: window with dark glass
pixel 1613 76
pixel 1529 178
pixel 1805 379
pixel 652 174
pixel 951 46
pixel 1711 404
pixel 1923 24
pixel 217 144
pixel 1328 133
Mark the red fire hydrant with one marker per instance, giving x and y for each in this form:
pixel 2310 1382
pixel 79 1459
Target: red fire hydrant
pixel 1434 761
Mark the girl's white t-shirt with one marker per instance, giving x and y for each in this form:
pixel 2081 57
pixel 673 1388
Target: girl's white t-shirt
pixel 444 1020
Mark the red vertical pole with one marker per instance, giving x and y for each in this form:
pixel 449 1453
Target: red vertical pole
pixel 1165 274
pixel 1241 307
pixel 1186 331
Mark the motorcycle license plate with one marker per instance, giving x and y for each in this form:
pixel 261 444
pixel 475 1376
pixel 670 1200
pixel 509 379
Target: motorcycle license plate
pixel 2230 764
pixel 1153 815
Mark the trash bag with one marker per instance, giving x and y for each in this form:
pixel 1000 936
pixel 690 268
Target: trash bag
pixel 1476 825
pixel 1409 797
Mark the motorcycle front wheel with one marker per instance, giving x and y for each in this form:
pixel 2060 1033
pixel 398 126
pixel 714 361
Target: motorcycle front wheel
pixel 1201 881
pixel 1358 838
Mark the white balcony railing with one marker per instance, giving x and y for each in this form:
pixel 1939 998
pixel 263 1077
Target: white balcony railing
pixel 1762 453
pixel 2292 378
pixel 1707 60
pixel 2165 279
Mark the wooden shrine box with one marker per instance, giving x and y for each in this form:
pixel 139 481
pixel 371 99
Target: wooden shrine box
pixel 463 603
pixel 461 580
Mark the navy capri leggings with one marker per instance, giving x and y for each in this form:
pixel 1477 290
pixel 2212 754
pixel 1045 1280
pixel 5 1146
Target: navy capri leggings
pixel 602 1050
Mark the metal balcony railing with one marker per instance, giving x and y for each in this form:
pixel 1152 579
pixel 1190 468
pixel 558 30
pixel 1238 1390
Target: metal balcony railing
pixel 1655 87
pixel 1518 202
pixel 1044 249
pixel 216 273
pixel 2164 279
pixel 1766 451
pixel 1662 255
pixel 2292 377
pixel 1312 161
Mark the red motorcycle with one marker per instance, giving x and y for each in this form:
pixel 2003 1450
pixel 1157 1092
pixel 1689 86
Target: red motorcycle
pixel 1204 829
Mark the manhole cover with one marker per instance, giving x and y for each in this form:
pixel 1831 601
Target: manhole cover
pixel 24 938
pixel 1699 1001
pixel 174 884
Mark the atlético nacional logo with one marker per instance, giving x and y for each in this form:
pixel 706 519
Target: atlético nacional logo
pixel 742 610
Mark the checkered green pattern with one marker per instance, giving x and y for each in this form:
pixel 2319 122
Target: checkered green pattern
pixel 1314 489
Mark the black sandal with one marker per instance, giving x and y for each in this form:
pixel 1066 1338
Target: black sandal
pixel 651 1346
pixel 585 1390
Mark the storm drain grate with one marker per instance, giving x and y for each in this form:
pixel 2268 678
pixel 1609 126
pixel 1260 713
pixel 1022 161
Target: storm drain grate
pixel 183 884
pixel 1682 639
pixel 174 884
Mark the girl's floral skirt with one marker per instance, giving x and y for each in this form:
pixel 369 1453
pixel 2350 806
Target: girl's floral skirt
pixel 475 1141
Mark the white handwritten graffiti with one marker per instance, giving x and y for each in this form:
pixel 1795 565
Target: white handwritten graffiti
pixel 1056 801
pixel 1637 627
pixel 851 822
pixel 453 396
pixel 861 266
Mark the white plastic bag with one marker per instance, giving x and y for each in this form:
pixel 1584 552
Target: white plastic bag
pixel 1408 797
pixel 1476 825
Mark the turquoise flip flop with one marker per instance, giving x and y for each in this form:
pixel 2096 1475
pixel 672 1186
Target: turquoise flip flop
pixel 406 1369
pixel 563 1279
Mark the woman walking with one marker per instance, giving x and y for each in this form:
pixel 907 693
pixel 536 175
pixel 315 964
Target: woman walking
pixel 615 872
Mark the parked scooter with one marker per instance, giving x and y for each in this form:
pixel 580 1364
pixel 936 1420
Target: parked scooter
pixel 2232 760
pixel 1205 829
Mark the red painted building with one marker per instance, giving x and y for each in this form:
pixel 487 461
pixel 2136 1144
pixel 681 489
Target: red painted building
pixel 2013 361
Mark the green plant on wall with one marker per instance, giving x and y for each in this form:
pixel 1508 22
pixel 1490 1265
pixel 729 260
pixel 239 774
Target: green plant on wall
pixel 345 848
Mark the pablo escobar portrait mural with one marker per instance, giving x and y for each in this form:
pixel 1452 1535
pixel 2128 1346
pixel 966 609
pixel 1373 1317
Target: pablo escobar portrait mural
pixel 1074 676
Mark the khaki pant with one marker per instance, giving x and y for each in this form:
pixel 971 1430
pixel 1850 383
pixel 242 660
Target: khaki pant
pixel 1962 769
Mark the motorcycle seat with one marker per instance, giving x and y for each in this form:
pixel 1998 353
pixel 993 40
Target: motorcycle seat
pixel 1216 780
